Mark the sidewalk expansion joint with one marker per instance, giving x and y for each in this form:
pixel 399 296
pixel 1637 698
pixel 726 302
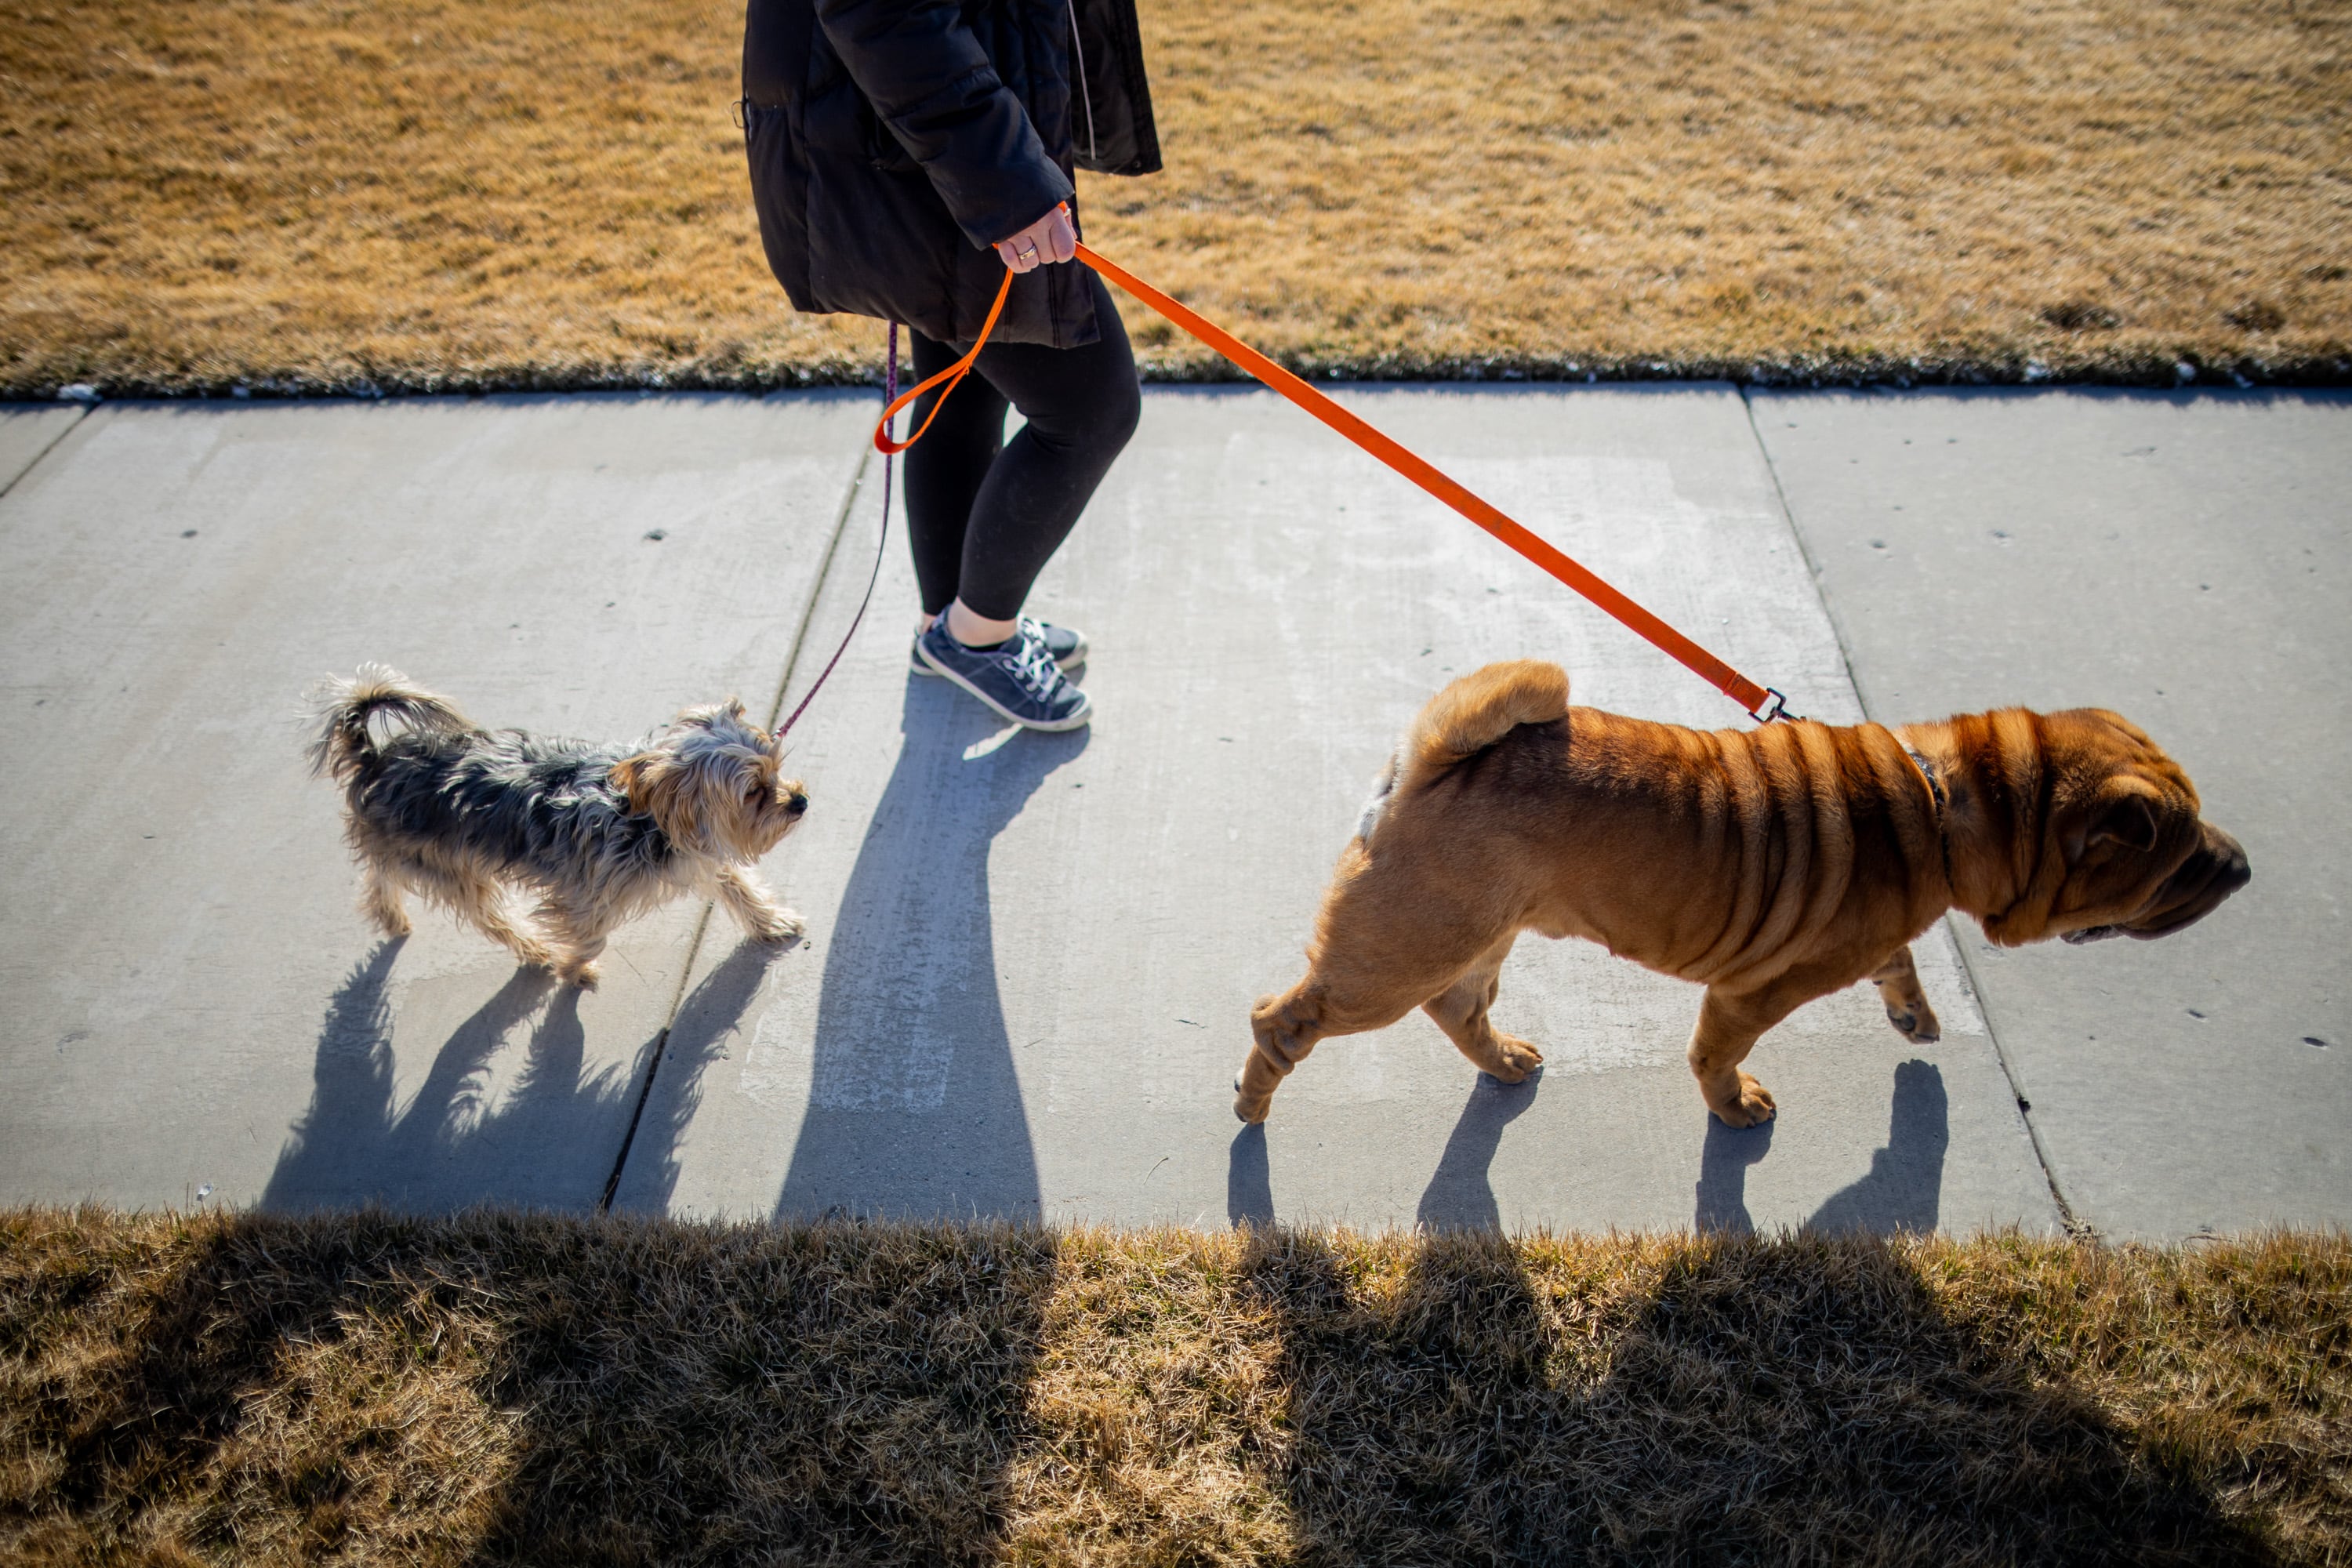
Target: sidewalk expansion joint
pixel 2074 1224
pixel 81 412
pixel 702 922
pixel 652 1066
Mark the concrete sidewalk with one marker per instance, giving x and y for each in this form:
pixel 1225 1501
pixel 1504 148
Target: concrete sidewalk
pixel 1031 957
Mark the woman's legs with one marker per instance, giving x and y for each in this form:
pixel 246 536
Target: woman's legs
pixel 944 470
pixel 985 514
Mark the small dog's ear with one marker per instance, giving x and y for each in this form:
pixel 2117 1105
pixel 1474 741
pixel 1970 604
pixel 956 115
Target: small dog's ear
pixel 630 776
pixel 658 787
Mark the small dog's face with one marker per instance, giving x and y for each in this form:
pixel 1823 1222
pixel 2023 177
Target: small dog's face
pixel 713 780
pixel 2124 851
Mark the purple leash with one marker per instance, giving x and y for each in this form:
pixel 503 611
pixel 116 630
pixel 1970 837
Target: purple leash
pixel 889 395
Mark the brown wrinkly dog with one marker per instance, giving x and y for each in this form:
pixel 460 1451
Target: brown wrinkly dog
pixel 1773 866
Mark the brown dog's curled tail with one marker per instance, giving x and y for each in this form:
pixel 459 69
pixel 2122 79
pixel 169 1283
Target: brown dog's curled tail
pixel 342 742
pixel 1479 709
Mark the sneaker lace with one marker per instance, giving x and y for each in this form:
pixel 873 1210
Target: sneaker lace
pixel 1033 664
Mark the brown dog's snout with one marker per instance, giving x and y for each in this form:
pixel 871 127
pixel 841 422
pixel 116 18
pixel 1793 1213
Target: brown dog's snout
pixel 796 802
pixel 2218 868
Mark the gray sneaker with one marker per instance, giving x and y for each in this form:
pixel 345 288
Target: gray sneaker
pixel 1018 678
pixel 1068 647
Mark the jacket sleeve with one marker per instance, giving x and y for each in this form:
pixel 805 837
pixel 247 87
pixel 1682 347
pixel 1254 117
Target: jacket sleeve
pixel 932 85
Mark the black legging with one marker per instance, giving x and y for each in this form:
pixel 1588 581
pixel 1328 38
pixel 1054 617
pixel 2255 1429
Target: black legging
pixel 985 515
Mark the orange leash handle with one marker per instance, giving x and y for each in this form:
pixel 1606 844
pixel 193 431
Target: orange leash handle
pixel 952 375
pixel 1705 664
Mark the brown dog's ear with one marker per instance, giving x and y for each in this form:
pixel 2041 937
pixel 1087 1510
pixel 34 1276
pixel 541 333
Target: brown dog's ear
pixel 2129 822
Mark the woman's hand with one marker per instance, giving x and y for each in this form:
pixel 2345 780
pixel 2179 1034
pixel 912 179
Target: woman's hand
pixel 1050 238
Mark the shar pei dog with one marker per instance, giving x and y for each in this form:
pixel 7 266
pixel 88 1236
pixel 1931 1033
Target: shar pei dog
pixel 1771 866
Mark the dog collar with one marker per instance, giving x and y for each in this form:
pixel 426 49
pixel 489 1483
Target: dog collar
pixel 1943 808
pixel 1935 785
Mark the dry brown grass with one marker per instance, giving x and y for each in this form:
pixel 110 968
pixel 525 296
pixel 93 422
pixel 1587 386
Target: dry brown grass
pixel 494 1387
pixel 310 194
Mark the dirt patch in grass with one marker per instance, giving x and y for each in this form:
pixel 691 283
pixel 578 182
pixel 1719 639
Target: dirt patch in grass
pixel 495 1388
pixel 420 195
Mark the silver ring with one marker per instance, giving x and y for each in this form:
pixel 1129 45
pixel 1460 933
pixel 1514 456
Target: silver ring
pixel 1030 250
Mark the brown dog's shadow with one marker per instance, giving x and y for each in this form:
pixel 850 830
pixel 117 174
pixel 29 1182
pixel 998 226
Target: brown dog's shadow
pixel 1249 1183
pixel 1905 1184
pixel 1902 1192
pixel 1460 1196
pixel 1805 1399
pixel 1723 1164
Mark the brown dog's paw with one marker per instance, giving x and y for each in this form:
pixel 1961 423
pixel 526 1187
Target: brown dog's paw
pixel 1250 1111
pixel 1917 1024
pixel 1517 1059
pixel 1753 1106
pixel 583 976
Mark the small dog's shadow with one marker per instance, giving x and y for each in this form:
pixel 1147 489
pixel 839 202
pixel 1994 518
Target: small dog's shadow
pixel 445 1148
pixel 915 1109
pixel 551 1139
pixel 699 1032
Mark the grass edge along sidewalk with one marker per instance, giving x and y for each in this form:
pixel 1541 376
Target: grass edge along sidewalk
pixel 502 1386
pixel 289 198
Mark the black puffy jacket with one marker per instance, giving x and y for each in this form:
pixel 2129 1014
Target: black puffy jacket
pixel 893 142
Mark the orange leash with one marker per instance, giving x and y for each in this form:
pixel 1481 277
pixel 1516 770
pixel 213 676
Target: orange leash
pixel 1763 703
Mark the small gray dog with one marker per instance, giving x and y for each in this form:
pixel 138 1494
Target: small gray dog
pixel 602 834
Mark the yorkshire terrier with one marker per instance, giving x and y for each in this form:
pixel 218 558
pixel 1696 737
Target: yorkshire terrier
pixel 601 833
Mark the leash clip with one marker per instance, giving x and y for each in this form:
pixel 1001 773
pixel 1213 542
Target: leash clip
pixel 1776 707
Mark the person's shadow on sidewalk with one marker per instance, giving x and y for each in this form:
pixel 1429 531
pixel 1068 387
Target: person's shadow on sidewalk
pixel 915 1109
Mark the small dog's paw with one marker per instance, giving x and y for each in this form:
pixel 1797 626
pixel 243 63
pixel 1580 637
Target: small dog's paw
pixel 785 927
pixel 1519 1059
pixel 1753 1106
pixel 1917 1024
pixel 583 976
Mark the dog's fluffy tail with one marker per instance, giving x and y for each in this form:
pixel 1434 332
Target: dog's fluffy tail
pixel 341 741
pixel 1479 709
